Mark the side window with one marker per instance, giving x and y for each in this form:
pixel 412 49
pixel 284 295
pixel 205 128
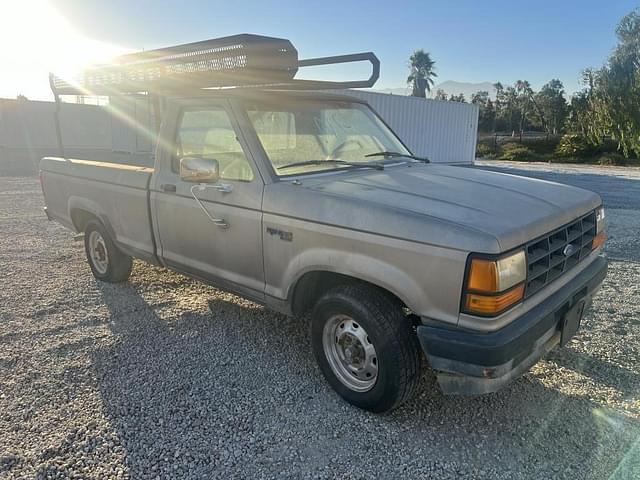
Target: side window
pixel 209 134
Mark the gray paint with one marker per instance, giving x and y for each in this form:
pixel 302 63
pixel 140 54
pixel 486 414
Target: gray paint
pixel 408 229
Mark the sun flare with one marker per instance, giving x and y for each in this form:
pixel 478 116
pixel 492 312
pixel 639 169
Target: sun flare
pixel 36 39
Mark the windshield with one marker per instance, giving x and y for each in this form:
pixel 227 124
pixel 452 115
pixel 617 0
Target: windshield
pixel 314 131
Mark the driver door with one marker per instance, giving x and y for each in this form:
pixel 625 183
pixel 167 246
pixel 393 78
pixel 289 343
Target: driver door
pixel 227 252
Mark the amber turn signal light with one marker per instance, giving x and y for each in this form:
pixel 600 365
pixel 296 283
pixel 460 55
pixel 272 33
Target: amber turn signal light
pixel 493 276
pixel 494 284
pixel 493 304
pixel 598 240
pixel 483 275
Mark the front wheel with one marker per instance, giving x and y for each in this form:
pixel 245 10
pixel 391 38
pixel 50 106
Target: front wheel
pixel 108 263
pixel 365 347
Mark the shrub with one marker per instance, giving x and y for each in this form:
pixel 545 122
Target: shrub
pixel 557 159
pixel 572 145
pixel 516 152
pixel 505 147
pixel 483 150
pixel 541 145
pixel 612 159
pixel 608 146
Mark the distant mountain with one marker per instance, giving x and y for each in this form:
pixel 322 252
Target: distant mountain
pixel 393 91
pixel 450 87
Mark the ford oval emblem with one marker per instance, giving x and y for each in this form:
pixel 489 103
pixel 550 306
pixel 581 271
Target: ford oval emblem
pixel 569 250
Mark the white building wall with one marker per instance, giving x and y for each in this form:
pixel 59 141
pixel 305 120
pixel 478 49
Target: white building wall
pixel 445 132
pixel 27 133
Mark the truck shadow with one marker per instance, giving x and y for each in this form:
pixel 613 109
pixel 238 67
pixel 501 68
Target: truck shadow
pixel 233 382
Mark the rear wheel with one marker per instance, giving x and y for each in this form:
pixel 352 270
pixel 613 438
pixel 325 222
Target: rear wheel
pixel 108 263
pixel 365 347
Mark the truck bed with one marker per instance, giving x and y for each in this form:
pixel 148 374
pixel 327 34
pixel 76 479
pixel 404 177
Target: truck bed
pixel 117 194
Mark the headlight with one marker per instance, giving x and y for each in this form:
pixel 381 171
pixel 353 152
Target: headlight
pixel 493 285
pixel 601 235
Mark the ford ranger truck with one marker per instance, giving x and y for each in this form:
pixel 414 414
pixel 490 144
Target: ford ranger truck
pixel 308 203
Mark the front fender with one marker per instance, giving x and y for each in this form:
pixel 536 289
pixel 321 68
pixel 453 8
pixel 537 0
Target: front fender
pixel 360 266
pixel 427 278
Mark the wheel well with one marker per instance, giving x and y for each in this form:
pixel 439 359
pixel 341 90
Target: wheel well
pixel 80 218
pixel 312 285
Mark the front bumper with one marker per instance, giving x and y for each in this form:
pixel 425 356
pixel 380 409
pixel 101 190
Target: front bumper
pixel 474 363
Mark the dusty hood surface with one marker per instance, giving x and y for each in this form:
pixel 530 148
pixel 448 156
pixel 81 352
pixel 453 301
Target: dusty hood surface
pixel 453 205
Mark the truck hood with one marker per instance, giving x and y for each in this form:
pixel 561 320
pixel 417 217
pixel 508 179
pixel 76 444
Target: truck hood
pixel 459 207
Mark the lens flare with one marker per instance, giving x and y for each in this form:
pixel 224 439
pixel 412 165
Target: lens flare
pixel 36 39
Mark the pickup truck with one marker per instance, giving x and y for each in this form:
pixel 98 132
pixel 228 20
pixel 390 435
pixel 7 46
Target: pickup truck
pixel 307 202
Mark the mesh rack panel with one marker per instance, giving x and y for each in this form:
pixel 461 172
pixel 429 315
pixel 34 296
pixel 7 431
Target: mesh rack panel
pixel 229 61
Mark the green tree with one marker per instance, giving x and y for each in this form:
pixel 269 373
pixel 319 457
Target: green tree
pixel 510 109
pixel 579 116
pixel 515 107
pixel 506 108
pixel 440 95
pixel 498 123
pixel 421 73
pixel 551 106
pixel 609 104
pixel 628 33
pixel 524 102
pixel 486 111
pixel 457 98
pixel 613 92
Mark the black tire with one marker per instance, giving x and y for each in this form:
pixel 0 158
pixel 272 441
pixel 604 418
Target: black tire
pixel 390 332
pixel 117 265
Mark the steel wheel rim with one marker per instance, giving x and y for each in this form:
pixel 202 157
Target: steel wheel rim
pixel 98 252
pixel 350 353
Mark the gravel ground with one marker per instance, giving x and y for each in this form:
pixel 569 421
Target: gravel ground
pixel 166 378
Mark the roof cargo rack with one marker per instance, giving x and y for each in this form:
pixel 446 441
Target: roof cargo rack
pixel 236 61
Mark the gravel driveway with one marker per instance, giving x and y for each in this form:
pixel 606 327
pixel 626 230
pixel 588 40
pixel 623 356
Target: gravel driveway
pixel 166 378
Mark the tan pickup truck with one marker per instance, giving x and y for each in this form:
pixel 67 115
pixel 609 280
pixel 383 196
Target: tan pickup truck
pixel 308 202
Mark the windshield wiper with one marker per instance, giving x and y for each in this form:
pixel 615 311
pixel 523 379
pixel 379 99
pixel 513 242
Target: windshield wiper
pixel 386 154
pixel 374 165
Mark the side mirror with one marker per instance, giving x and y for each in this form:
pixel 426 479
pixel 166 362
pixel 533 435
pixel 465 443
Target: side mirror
pixel 199 170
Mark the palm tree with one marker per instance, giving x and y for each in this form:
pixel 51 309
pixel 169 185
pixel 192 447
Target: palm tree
pixel 498 104
pixel 421 73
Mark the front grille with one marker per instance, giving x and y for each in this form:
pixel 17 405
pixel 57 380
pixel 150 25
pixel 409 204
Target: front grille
pixel 548 257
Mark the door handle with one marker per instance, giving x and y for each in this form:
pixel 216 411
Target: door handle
pixel 220 222
pixel 168 187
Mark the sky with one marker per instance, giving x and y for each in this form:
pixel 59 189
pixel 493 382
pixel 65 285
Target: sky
pixel 470 40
